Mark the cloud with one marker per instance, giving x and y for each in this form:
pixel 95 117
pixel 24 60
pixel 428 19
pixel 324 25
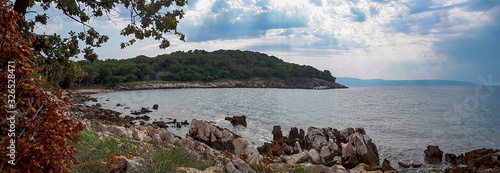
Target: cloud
pixel 237 19
pixel 388 39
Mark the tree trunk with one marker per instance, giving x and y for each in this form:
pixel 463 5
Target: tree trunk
pixel 20 6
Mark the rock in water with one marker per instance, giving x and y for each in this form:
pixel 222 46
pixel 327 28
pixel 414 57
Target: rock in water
pixel 155 107
pixel 277 134
pixel 238 120
pixel 214 136
pixel 433 155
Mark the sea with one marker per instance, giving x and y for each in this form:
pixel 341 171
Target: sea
pixel 401 121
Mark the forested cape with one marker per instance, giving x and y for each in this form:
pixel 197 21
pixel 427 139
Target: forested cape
pixel 197 65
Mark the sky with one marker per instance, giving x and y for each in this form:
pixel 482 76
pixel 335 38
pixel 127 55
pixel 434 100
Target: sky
pixel 367 39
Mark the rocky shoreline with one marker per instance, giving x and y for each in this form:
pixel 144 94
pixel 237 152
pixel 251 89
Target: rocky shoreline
pixel 306 84
pixel 315 150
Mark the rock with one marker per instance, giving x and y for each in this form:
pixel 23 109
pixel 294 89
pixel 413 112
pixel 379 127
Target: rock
pixel 337 160
pixel 118 105
pixel 409 163
pixel 360 130
pixel 338 169
pixel 287 149
pixel 168 137
pixel 383 168
pixel 97 126
pixel 366 150
pixel 156 139
pixel 386 162
pixel 142 111
pixel 472 156
pixel 277 134
pixel 489 161
pixel 325 153
pixel 433 155
pixel 237 165
pixel 155 107
pixel 237 120
pixel 141 135
pixel 266 149
pixel 187 170
pixel 160 124
pixel 297 148
pixel 454 159
pixel 297 158
pixel 295 136
pixel 346 133
pixel 134 164
pixel 314 157
pixel 315 138
pixel 120 131
pixel 334 149
pixel 349 155
pixel 213 136
pixel 243 146
pixel 317 168
pixel 403 164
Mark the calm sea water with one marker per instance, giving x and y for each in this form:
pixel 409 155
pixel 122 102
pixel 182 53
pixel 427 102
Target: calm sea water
pixel 402 121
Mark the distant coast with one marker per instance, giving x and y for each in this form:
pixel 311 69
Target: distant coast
pixel 252 83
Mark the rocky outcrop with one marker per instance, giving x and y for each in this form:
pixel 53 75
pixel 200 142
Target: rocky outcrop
pixel 326 146
pixel 433 155
pixel 483 157
pixel 213 136
pixel 237 120
pixel 480 160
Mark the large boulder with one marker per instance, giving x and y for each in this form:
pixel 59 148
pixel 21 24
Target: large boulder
pixel 318 137
pixel 433 155
pixel 349 156
pixel 214 136
pixel 242 146
pixel 297 158
pixel 366 150
pixel 314 157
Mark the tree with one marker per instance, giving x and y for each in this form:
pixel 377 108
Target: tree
pixel 36 121
pixel 148 19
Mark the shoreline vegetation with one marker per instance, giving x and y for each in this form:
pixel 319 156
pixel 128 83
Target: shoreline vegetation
pixel 197 69
pixel 114 144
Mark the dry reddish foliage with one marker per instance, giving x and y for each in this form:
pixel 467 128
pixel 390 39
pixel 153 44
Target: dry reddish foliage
pixel 43 129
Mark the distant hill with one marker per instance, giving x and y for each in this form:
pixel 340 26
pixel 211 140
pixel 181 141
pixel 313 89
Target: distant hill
pixel 206 67
pixel 354 82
